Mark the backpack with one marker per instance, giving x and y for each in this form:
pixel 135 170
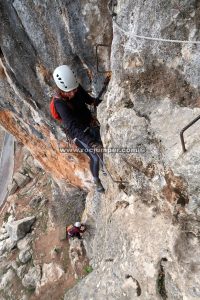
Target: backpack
pixel 53 111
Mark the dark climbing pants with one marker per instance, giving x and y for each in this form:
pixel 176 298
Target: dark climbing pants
pixel 94 158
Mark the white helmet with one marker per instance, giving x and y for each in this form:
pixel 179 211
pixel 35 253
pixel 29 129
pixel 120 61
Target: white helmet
pixel 65 78
pixel 77 224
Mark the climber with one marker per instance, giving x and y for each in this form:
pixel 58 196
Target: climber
pixel 75 230
pixel 70 106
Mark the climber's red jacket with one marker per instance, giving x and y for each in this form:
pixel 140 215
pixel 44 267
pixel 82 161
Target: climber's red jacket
pixel 75 232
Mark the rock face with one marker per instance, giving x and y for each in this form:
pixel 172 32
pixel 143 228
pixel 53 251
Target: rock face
pixel 69 37
pixel 7 245
pixel 143 235
pixel 77 256
pixel 18 229
pixel 51 273
pixel 7 279
pixel 32 279
pixel 25 256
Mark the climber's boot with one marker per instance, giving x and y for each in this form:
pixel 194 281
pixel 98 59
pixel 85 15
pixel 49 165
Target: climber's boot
pixel 99 186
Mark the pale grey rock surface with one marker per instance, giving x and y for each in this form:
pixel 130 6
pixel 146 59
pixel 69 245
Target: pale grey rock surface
pixel 77 255
pixel 4 236
pixel 50 273
pixel 7 279
pixel 6 166
pixel 25 243
pixel 25 256
pixel 21 179
pixel 7 245
pixel 12 188
pixel 18 229
pixel 3 230
pixel 32 278
pixel 21 271
pixel 68 204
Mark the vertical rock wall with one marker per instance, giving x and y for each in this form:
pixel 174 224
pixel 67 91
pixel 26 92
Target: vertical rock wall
pixel 35 38
pixel 144 234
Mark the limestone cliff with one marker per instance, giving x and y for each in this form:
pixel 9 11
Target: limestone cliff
pixel 143 241
pixel 35 38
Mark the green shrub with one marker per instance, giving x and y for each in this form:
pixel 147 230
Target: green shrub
pixel 88 269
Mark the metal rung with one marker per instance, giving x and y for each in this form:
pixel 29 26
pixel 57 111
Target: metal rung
pixel 184 129
pixel 97 59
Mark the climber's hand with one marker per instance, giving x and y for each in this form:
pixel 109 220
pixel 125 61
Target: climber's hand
pixel 94 122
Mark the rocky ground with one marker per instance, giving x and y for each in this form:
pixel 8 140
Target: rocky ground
pixel 36 260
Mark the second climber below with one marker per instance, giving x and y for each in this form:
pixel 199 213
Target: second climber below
pixel 70 103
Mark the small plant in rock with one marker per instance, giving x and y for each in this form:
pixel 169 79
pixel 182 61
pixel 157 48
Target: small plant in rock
pixel 30 290
pixel 56 250
pixel 6 216
pixel 88 269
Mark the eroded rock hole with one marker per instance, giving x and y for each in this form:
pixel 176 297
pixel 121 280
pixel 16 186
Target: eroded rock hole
pixel 161 280
pixel 138 288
